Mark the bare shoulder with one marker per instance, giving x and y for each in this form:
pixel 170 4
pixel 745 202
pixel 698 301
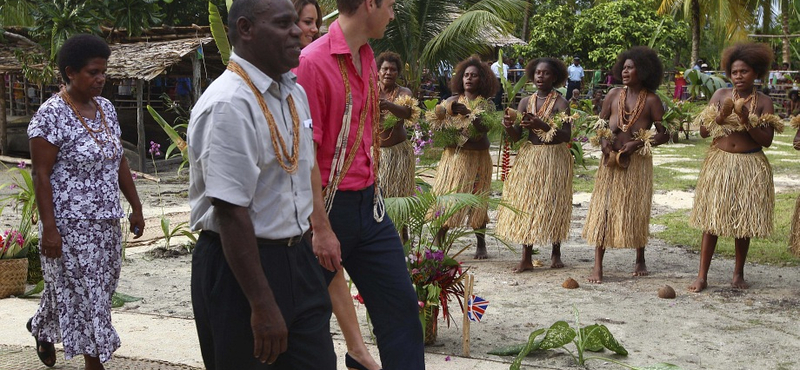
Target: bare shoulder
pixel 404 91
pixel 721 94
pixel 523 104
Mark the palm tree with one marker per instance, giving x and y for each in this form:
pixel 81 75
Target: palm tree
pixel 428 32
pixel 729 17
pixel 16 13
pixel 769 9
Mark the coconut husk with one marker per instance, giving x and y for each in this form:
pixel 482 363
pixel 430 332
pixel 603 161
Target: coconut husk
pixel 570 283
pixel 735 195
pixel 397 170
pixel 795 122
pixel 540 188
pixel 666 292
pixel 465 171
pixel 619 210
pixel 794 235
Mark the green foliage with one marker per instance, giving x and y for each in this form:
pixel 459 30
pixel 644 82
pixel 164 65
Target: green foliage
pixel 176 132
pixel 56 20
pixel 609 28
pixel 429 33
pixel 701 83
pixel 548 33
pixel 23 201
pixel 134 15
pixel 119 299
pixel 179 229
pixel 218 32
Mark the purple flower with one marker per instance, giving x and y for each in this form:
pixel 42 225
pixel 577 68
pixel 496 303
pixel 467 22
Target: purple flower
pixel 21 164
pixel 133 175
pixel 447 358
pixel 438 256
pixel 12 186
pixel 155 149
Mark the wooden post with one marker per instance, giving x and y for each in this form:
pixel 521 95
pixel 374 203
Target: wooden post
pixel 25 96
pixel 468 284
pixel 3 121
pixel 195 78
pixel 141 146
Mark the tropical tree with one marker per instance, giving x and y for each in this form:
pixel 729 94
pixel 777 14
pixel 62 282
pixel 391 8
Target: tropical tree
pixel 134 15
pixel 16 13
pixel 730 18
pixel 427 33
pixel 606 29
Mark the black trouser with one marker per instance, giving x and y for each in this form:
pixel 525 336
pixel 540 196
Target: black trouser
pixel 373 256
pixel 572 85
pixel 498 98
pixel 222 312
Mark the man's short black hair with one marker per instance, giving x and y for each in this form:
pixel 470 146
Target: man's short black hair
pixel 240 8
pixel 78 50
pixel 349 7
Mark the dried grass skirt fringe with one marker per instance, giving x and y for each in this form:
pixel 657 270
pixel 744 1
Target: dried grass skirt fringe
pixel 396 170
pixel 794 237
pixel 619 211
pixel 465 171
pixel 540 189
pixel 735 195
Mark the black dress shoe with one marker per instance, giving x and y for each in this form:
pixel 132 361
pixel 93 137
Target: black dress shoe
pixel 351 363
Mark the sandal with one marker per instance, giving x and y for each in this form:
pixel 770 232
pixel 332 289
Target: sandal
pixel 45 350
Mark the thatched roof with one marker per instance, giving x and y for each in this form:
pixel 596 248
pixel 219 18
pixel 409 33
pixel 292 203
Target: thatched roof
pixel 8 61
pixel 146 60
pixel 497 38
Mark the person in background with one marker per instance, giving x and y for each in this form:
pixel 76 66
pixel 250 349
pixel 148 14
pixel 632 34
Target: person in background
pixel 575 77
pixel 309 20
pixel 496 67
pixel 78 172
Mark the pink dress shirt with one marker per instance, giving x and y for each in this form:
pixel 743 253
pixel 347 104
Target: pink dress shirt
pixel 319 75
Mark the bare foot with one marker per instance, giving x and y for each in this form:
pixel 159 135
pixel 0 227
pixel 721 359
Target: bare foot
pixel 597 276
pixel 640 269
pixel 481 253
pixel 739 283
pixel 524 266
pixel 697 286
pixel 557 264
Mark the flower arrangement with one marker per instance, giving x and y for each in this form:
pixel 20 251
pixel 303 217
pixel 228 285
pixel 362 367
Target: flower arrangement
pixel 16 242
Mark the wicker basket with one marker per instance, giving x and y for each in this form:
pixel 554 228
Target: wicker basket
pixel 431 328
pixel 13 274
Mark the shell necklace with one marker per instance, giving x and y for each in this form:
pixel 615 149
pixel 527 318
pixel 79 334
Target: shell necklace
pixel 278 144
pixel 546 109
pixel 92 132
pixel 627 118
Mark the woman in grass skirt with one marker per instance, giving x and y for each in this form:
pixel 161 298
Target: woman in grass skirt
pixel 539 187
pixel 735 196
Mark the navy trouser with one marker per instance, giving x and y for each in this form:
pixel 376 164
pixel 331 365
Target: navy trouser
pixel 572 85
pixel 222 312
pixel 373 255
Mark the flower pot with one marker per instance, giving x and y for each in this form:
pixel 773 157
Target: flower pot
pixel 13 274
pixel 431 315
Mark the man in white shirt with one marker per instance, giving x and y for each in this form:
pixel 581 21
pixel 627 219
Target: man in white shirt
pixel 496 66
pixel 574 76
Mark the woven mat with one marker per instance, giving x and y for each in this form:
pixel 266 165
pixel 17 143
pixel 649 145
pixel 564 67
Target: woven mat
pixel 24 358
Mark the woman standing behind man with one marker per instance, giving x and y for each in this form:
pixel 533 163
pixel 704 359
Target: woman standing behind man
pixel 467 168
pixel 357 356
pixel 619 211
pixel 540 184
pixel 78 171
pixel 735 195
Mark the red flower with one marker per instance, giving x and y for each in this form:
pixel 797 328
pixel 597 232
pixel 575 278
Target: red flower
pixel 358 298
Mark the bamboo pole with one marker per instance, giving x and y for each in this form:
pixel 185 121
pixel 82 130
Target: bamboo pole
pixel 468 285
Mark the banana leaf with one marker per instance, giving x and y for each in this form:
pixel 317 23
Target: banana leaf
pixel 218 31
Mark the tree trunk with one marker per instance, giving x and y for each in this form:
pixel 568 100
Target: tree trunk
pixel 695 31
pixel 785 31
pixel 3 122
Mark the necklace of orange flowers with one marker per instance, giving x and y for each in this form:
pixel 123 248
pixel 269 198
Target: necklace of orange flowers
pixel 626 118
pixel 751 99
pixel 278 144
pixel 92 132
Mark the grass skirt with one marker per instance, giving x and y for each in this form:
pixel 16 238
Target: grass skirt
pixel 794 237
pixel 734 196
pixel 619 212
pixel 396 170
pixel 540 188
pixel 465 171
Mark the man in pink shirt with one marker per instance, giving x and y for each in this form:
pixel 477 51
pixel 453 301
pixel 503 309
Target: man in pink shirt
pixel 339 75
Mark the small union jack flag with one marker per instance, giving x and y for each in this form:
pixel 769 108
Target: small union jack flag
pixel 476 307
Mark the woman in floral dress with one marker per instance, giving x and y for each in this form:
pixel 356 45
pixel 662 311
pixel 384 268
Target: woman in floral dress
pixel 78 171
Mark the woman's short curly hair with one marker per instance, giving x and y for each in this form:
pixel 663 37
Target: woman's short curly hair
pixel 78 50
pixel 391 57
pixel 488 84
pixel 556 65
pixel 648 66
pixel 756 55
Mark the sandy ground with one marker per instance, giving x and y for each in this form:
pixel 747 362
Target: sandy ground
pixel 720 328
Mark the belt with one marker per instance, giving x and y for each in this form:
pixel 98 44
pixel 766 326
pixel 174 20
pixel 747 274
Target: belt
pixel 285 242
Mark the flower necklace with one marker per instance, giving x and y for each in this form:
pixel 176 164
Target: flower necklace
pixel 627 118
pixel 749 99
pixel 104 128
pixel 275 135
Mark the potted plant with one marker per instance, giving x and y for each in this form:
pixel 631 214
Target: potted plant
pixel 17 242
pixel 436 275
